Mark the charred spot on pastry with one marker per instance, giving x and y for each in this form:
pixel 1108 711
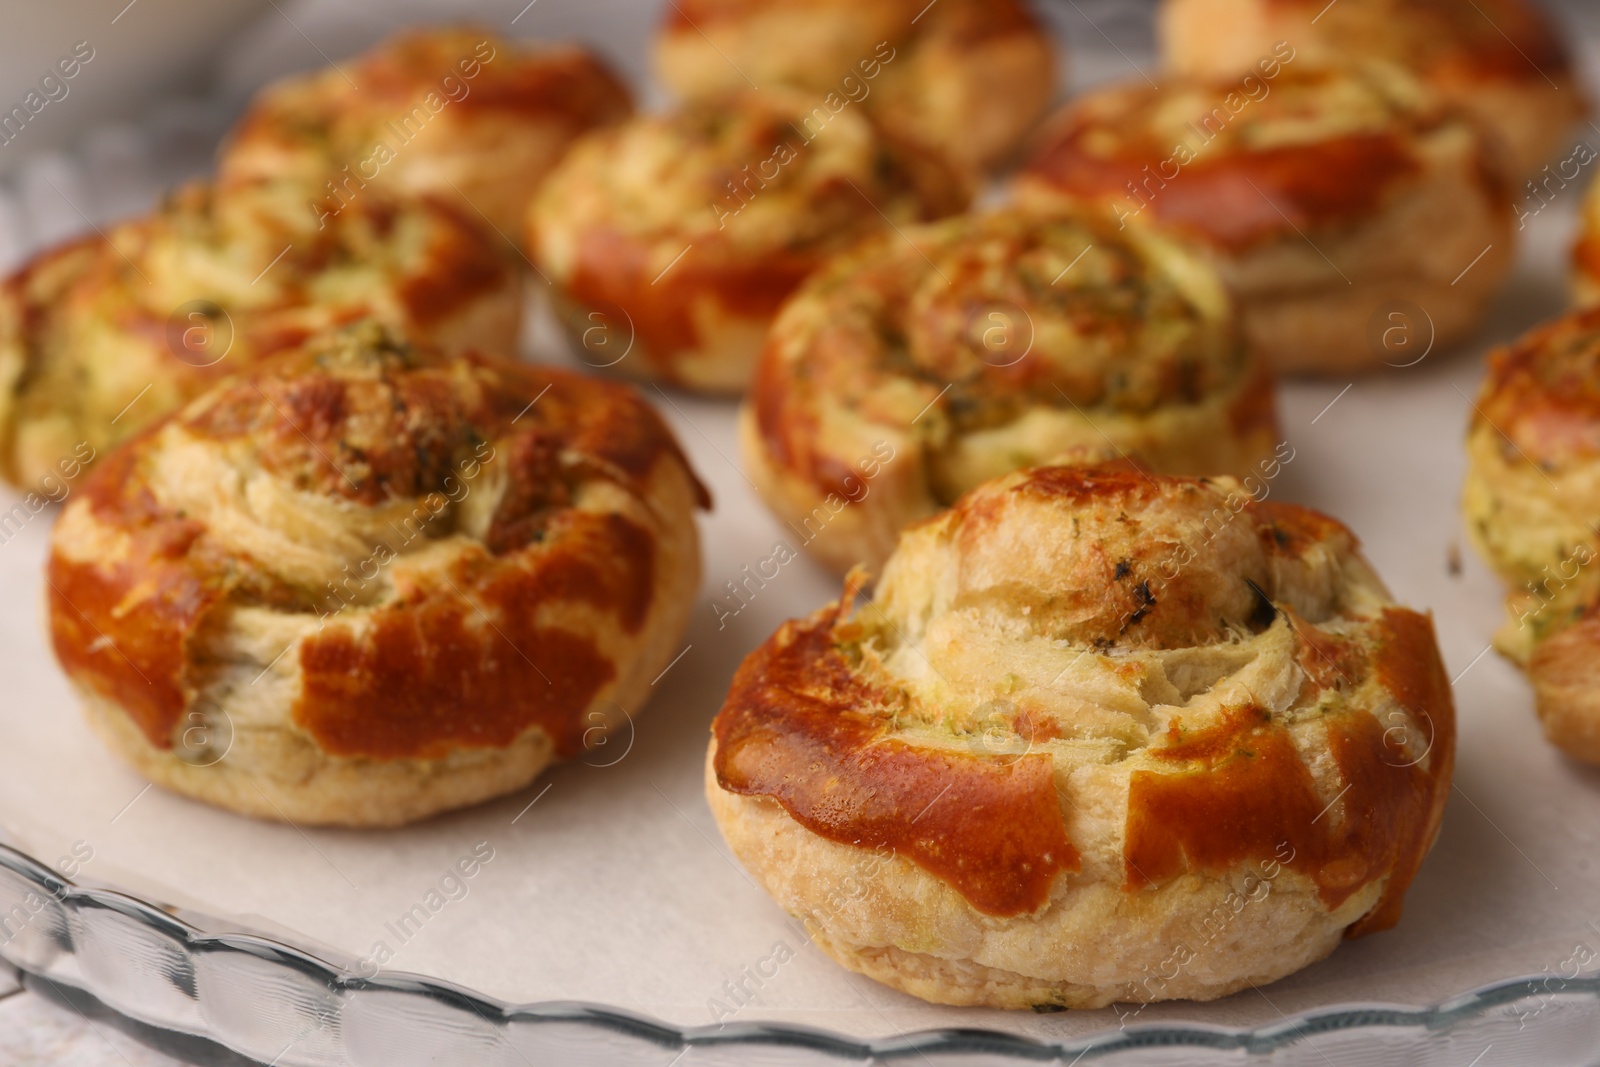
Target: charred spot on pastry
pixel 1266 612
pixel 1147 603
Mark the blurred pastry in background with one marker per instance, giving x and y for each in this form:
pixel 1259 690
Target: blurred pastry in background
pixel 672 239
pixel 1501 60
pixel 458 113
pixel 931 360
pixel 1359 219
pixel 1586 251
pixel 367 581
pixel 103 335
pixel 1100 735
pixel 970 77
pixel 1532 497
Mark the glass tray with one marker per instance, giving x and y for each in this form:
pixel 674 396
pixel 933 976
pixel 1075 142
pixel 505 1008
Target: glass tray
pixel 278 1004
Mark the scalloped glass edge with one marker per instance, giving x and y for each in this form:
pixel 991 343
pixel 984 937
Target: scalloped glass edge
pixel 66 940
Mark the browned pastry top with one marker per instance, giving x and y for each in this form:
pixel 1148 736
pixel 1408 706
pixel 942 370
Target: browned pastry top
pixel 860 721
pixel 487 490
pixel 1323 148
pixel 982 319
pixel 466 75
pixel 737 198
pixel 1543 390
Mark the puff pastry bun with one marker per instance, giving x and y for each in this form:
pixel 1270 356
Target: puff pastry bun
pixel 367 582
pixel 1101 736
pixel 1531 498
pixel 970 77
pixel 930 360
pixel 453 113
pixel 673 239
pixel 1501 60
pixel 101 336
pixel 1329 199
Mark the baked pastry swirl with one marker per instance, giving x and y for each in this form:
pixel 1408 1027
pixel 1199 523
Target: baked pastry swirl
pixel 1327 198
pixel 969 77
pixel 1501 60
pixel 1532 500
pixel 936 358
pixel 676 237
pixel 1101 736
pixel 450 113
pixel 367 582
pixel 101 336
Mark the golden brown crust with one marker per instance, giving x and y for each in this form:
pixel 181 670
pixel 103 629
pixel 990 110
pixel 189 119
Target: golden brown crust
pixel 1322 194
pixel 968 77
pixel 102 336
pixel 932 359
pixel 456 113
pixel 693 227
pixel 797 728
pixel 1145 690
pixel 438 542
pixel 1543 392
pixel 1324 148
pixel 1502 60
pixel 1531 496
